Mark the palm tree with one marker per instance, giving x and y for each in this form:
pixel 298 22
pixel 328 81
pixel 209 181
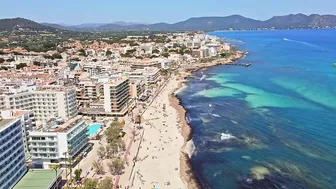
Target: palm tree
pixel 66 167
pixel 55 168
pixel 70 161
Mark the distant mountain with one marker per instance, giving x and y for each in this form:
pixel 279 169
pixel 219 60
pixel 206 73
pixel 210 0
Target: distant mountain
pixel 236 22
pixel 216 23
pixel 15 23
pixel 301 21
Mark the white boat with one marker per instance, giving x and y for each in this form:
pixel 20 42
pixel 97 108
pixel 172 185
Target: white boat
pixel 285 39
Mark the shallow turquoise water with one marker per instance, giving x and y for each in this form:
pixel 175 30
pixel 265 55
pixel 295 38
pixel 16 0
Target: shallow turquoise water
pixel 281 112
pixel 93 129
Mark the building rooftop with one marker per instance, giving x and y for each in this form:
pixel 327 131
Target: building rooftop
pixel 56 88
pixel 116 82
pixel 68 125
pixel 5 122
pixel 38 179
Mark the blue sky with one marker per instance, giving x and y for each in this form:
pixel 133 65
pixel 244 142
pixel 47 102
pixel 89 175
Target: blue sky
pixel 151 11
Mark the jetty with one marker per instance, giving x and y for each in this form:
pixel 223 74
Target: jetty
pixel 238 64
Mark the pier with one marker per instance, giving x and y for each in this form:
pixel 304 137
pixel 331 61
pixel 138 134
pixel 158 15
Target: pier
pixel 239 64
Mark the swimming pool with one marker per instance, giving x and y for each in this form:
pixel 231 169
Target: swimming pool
pixel 93 129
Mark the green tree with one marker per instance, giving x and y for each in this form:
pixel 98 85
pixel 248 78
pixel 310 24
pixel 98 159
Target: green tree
pixel 108 53
pixel 3 68
pixel 75 59
pixel 20 66
pixel 57 56
pixel 112 132
pixel 78 173
pixel 101 152
pixel 165 54
pixel 106 183
pixel 10 60
pixel 132 44
pixel 82 52
pixel 35 63
pixel 223 55
pixel 98 167
pixel 55 168
pixel 156 51
pixel 90 183
pixel 116 166
pixel 2 60
pixel 1 52
pixel 111 149
pixel 47 56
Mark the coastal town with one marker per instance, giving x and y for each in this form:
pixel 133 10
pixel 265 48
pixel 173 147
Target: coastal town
pixel 92 114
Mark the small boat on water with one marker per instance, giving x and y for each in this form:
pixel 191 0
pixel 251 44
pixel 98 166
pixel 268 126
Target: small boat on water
pixel 285 39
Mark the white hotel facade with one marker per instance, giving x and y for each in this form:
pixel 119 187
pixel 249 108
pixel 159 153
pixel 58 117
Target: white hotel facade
pixel 56 142
pixel 12 153
pixel 46 102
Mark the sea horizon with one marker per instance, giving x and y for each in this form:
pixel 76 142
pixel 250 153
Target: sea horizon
pixel 271 124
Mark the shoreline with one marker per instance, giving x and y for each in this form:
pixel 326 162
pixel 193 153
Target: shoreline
pixel 186 171
pixel 217 62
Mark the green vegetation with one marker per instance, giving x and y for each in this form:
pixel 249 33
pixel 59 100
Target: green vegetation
pixel 156 51
pixel 78 173
pixel 3 68
pixel 10 60
pixel 82 52
pixel 20 66
pixel 90 184
pixel 98 167
pixel 75 59
pixel 116 166
pixel 57 56
pixel 2 60
pixel 165 54
pixel 108 53
pixel 106 183
pixel 35 63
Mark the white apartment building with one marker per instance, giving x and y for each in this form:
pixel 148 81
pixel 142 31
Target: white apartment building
pixel 27 119
pixel 214 48
pixel 46 101
pixel 150 75
pixel 93 69
pixel 91 90
pixel 117 96
pixel 12 153
pixel 137 88
pixel 58 141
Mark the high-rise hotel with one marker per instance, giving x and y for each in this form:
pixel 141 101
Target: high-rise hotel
pixel 12 152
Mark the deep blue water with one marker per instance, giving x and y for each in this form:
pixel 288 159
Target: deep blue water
pixel 278 116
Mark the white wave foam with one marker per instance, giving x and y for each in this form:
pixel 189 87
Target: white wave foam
pixel 305 43
pixel 189 119
pixel 215 115
pixel 227 136
pixel 191 106
pixel 203 76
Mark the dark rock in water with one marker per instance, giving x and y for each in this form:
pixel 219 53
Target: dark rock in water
pixel 273 181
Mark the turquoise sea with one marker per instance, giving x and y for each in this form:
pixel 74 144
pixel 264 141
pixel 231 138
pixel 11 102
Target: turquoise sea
pixel 270 125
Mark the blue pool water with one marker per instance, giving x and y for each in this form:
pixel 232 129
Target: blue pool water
pixel 93 129
pixel 278 116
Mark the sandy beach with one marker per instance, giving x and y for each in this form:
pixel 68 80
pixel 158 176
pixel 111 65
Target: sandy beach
pixel 158 160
